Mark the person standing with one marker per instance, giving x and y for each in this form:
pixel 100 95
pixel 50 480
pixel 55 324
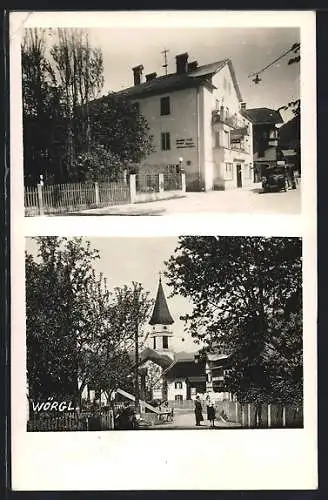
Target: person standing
pixel 198 411
pixel 210 411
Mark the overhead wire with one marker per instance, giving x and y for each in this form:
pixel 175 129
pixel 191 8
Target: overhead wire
pixel 294 48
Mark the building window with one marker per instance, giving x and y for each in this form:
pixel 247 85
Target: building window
pixel 178 397
pixel 178 385
pixel 228 174
pixel 165 342
pixel 165 106
pixel 165 140
pixel 217 139
pixel 154 342
pixel 226 142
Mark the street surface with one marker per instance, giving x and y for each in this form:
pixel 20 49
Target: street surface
pixel 246 201
pixel 185 419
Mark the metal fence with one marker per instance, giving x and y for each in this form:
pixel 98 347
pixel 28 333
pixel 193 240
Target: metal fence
pixel 147 183
pixel 172 182
pixel 113 193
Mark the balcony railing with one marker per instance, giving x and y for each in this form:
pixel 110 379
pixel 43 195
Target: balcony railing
pixel 232 121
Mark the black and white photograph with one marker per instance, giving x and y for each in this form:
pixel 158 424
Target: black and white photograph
pixel 198 120
pixel 204 321
pixel 195 332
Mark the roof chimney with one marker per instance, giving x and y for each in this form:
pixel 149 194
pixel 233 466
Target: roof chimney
pixel 151 76
pixel 192 66
pixel 137 72
pixel 182 63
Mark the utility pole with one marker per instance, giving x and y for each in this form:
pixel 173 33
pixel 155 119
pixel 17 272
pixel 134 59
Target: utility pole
pixel 136 340
pixel 165 51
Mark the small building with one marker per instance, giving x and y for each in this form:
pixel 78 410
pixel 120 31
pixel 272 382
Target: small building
pixel 290 143
pixel 266 150
pixel 195 118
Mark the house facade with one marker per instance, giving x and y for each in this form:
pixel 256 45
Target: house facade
pixel 266 150
pixel 195 119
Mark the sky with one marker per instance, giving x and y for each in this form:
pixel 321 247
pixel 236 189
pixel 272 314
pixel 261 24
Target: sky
pixel 123 260
pixel 250 49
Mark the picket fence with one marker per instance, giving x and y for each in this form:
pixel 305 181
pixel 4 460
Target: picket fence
pixel 64 198
pixel 67 198
pixel 69 421
pixel 271 416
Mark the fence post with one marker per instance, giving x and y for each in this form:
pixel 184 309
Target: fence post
pixel 183 182
pixel 97 193
pixel 133 187
pixel 249 414
pixel 284 416
pixel 40 198
pixel 242 416
pixel 160 183
pixel 236 411
pixel 269 415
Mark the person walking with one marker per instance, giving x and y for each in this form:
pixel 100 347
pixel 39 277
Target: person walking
pixel 198 411
pixel 210 411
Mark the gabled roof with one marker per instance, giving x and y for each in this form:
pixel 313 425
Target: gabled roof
pixel 194 78
pixel 186 369
pixel 161 314
pixel 262 116
pixel 289 133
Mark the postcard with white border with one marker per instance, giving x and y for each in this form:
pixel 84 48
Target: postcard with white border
pixel 163 250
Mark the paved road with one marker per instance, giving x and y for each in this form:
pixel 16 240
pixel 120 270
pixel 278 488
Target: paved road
pixel 246 201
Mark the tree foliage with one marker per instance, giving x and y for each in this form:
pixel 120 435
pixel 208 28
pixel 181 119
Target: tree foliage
pixel 64 123
pixel 78 332
pixel 246 295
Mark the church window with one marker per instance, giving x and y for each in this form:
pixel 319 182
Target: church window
pixel 178 385
pixel 154 342
pixel 165 342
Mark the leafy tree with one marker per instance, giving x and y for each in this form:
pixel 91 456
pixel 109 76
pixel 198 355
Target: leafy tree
pixel 78 70
pixel 120 128
pixel 44 133
pixel 77 331
pixel 98 164
pixel 246 295
pixel 69 134
pixel 115 363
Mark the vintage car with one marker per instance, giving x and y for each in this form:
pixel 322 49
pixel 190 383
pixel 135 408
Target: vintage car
pixel 274 178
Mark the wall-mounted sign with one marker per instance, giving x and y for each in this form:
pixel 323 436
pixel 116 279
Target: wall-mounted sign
pixel 185 143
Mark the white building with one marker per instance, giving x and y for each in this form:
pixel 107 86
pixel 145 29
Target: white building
pixel 195 120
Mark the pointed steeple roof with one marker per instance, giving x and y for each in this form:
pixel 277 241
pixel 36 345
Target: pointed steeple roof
pixel 161 314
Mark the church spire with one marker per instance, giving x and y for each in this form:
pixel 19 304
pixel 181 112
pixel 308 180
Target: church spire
pixel 161 314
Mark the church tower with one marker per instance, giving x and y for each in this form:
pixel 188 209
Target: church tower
pixel 160 321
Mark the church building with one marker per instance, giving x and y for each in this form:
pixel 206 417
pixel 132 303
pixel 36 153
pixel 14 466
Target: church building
pixel 177 376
